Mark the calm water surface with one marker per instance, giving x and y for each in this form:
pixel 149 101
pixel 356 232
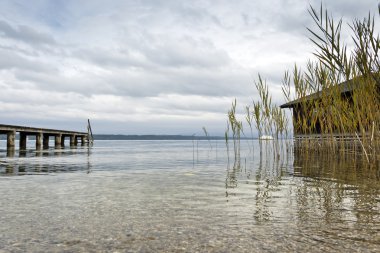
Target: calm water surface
pixel 184 196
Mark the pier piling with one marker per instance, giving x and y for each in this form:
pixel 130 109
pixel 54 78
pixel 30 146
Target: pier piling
pixel 82 140
pixel 45 141
pixel 11 136
pixel 57 140
pixel 72 140
pixel 39 137
pixel 23 141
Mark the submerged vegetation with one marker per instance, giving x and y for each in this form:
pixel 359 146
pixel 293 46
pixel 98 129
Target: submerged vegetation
pixel 335 100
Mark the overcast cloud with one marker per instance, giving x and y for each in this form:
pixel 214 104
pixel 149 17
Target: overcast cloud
pixel 149 66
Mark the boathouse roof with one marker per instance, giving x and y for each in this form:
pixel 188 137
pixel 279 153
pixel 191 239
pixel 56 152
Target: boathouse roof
pixel 344 87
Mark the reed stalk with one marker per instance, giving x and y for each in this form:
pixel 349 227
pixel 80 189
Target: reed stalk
pixel 337 95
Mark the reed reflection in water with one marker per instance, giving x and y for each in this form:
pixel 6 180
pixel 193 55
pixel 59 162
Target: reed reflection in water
pixel 324 198
pixel 165 196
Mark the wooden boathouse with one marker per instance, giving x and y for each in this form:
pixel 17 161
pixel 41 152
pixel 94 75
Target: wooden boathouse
pixel 42 136
pixel 303 106
pixel 333 111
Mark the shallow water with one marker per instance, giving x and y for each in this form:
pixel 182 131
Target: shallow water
pixel 184 196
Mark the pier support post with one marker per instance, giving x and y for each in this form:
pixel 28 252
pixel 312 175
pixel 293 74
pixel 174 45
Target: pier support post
pixel 22 141
pixel 39 138
pixel 72 140
pixel 58 140
pixel 82 140
pixel 45 141
pixel 63 140
pixel 11 140
pixel 11 152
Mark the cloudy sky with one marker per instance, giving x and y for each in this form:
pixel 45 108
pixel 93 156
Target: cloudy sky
pixel 148 67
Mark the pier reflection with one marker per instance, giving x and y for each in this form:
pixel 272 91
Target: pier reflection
pixel 45 161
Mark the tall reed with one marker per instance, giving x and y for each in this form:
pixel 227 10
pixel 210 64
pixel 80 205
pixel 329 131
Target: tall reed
pixel 237 128
pixel 345 87
pixel 336 96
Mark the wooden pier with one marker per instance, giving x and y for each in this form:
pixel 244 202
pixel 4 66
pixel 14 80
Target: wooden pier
pixel 42 136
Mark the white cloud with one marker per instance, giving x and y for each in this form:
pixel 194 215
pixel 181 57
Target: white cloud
pixel 147 66
pixel 25 33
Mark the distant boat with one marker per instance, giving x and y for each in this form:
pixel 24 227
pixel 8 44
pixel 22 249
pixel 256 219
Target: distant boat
pixel 266 137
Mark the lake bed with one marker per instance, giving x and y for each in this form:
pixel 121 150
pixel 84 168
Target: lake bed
pixel 184 196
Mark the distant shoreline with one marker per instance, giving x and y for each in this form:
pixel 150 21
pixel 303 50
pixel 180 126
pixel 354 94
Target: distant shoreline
pixel 156 137
pixel 153 137
pixel 150 137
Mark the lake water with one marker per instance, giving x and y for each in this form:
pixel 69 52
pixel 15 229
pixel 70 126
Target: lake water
pixel 185 196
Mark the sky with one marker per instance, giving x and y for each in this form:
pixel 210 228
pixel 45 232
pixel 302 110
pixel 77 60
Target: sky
pixel 149 66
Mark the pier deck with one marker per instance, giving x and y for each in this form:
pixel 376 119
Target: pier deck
pixel 42 136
